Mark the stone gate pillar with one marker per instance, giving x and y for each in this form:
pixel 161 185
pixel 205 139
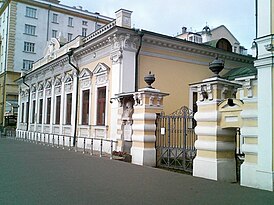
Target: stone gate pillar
pixel 215 146
pixel 148 102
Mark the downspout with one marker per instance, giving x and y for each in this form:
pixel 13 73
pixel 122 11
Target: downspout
pixel 28 101
pixel 5 69
pixel 256 18
pixel 256 28
pixel 70 53
pixel 141 34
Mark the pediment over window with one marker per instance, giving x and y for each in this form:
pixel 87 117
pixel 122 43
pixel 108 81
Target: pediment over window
pixel 40 86
pixel 101 68
pixel 57 81
pixel 85 73
pixel 33 88
pixel 68 78
pixel 48 84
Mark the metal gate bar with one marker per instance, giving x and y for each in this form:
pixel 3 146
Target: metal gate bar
pixel 175 139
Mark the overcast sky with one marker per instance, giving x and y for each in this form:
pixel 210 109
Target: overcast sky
pixel 168 16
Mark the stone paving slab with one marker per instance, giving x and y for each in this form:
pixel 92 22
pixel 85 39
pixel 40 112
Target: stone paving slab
pixel 36 174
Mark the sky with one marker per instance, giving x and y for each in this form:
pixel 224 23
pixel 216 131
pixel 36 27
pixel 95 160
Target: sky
pixel 169 16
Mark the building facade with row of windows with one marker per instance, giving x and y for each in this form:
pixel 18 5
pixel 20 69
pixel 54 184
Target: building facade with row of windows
pixel 26 28
pixel 75 91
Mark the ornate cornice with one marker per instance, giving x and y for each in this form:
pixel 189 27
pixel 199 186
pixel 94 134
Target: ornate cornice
pixel 197 49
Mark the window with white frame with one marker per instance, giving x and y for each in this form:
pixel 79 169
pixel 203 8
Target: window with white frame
pixel 68 108
pixel 70 36
pixel 48 110
pixel 84 23
pixel 57 109
pixel 27 112
pixel 101 105
pixel 22 112
pixel 84 32
pixel 27 64
pixel 30 29
pixel 85 107
pixel 54 34
pixel 40 118
pixel 54 18
pixel 31 12
pixel 33 111
pixel 29 47
pixel 70 21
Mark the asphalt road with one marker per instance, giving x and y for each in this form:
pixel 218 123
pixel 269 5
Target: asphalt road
pixel 34 174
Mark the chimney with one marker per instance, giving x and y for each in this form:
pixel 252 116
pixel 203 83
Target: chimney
pixel 123 18
pixel 184 30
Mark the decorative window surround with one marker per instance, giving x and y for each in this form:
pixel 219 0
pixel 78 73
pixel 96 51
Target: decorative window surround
pixel 101 73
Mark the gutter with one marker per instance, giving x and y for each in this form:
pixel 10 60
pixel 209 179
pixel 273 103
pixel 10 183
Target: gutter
pixel 141 34
pixel 28 101
pixel 70 54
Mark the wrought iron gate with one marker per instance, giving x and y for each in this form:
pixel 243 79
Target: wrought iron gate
pixel 175 140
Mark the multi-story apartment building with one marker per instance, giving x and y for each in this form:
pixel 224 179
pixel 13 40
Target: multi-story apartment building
pixel 26 27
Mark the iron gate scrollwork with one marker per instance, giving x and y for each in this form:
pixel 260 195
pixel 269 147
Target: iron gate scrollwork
pixel 175 140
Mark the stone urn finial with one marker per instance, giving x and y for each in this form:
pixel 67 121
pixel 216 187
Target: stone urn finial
pixel 216 66
pixel 149 79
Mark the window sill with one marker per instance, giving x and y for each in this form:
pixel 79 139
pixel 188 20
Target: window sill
pixel 30 34
pixel 31 17
pixel 54 22
pixel 70 26
pixel 29 52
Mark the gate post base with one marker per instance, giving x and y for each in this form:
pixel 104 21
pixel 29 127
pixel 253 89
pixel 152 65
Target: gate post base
pixel 215 169
pixel 143 156
pixel 248 174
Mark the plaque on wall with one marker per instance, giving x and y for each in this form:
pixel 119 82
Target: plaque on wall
pixel 127 132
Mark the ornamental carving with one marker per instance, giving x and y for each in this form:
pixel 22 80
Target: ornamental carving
pixel 33 88
pixel 58 90
pixel 101 79
pixel 86 83
pixel 40 86
pixel 68 87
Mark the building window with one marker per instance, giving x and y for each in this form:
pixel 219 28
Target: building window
pixel 84 23
pixel 70 19
pixel 54 34
pixel 29 29
pixel 84 32
pixel 101 106
pixel 54 18
pixel 57 109
pixel 29 47
pixel 69 36
pixel 48 110
pixel 27 112
pixel 27 64
pixel 22 113
pixel 31 12
pixel 85 107
pixel 68 109
pixel 40 111
pixel 33 111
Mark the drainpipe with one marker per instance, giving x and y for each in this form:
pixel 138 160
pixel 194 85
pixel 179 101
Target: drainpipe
pixel 5 69
pixel 70 54
pixel 141 34
pixel 256 18
pixel 28 101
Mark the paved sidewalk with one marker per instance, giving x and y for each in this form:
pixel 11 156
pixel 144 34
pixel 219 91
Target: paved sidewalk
pixel 34 174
